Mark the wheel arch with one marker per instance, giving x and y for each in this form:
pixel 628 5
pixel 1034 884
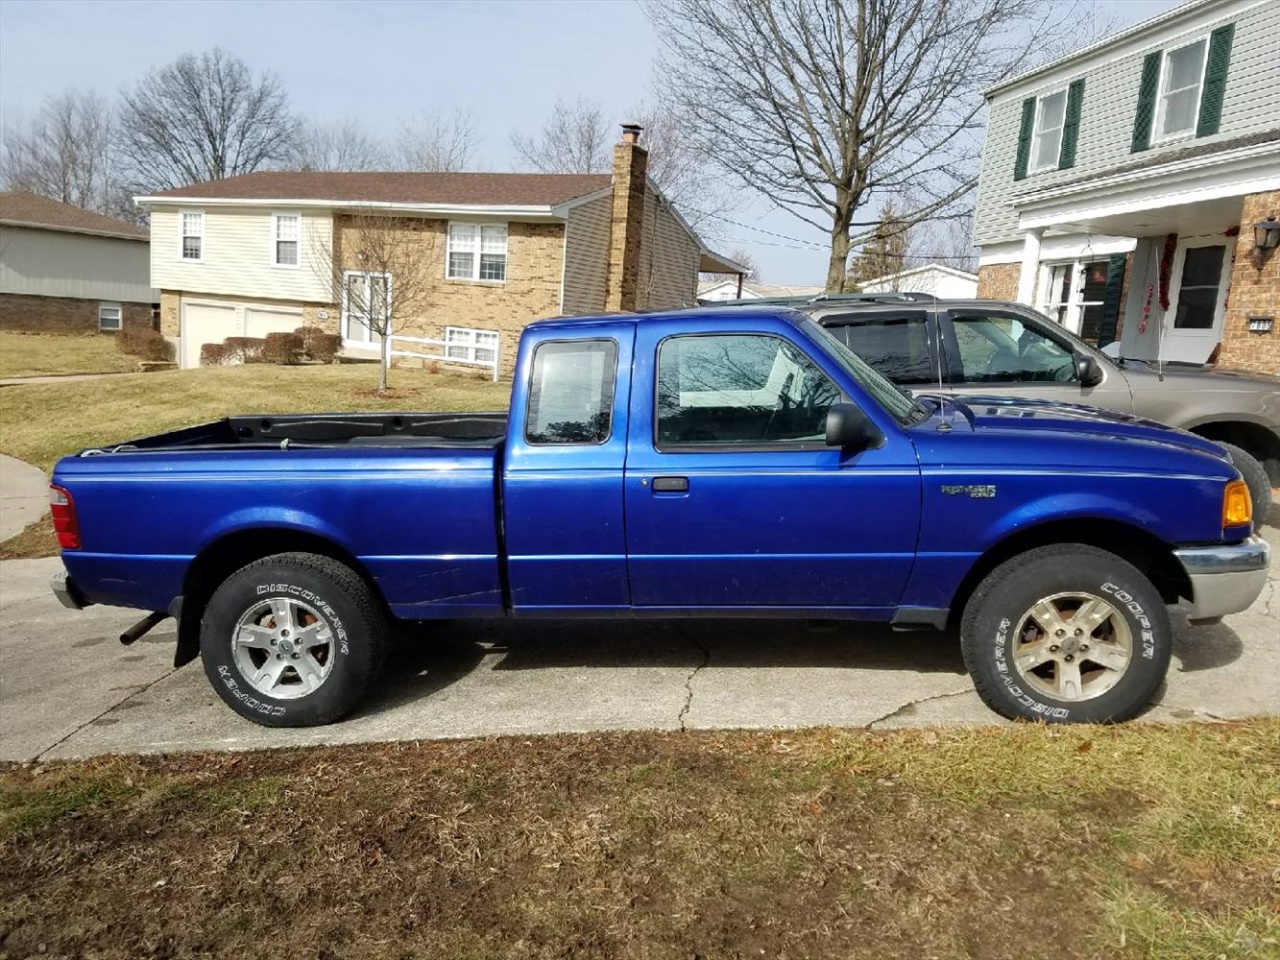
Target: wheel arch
pixel 1142 549
pixel 225 555
pixel 1256 439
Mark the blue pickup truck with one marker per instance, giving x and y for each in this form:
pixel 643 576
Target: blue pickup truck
pixel 690 464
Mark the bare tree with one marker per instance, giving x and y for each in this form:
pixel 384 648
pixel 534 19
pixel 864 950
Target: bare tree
pixel 742 258
pixel 434 142
pixel 67 152
pixel 204 117
pixel 378 270
pixel 575 138
pixel 948 241
pixel 886 252
pixel 343 147
pixel 824 106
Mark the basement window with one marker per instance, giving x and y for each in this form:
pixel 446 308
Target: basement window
pixel 110 316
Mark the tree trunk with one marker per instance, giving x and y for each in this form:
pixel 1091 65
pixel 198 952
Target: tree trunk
pixel 385 365
pixel 838 264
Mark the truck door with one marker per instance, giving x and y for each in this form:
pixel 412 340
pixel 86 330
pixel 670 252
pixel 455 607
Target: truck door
pixel 562 480
pixel 733 498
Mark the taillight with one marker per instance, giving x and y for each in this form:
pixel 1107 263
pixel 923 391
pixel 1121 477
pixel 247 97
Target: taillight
pixel 65 524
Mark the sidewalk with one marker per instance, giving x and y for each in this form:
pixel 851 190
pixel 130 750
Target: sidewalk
pixel 24 495
pixel 61 378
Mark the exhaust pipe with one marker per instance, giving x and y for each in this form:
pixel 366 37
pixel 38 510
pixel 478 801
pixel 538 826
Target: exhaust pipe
pixel 142 627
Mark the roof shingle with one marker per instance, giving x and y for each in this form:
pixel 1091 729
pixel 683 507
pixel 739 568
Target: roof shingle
pixel 488 189
pixel 19 208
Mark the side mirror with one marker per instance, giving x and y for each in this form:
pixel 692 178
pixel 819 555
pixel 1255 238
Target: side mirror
pixel 848 428
pixel 1087 370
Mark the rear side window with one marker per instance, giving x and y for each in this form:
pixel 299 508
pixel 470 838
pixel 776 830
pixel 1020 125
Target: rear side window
pixel 897 345
pixel 740 389
pixel 571 392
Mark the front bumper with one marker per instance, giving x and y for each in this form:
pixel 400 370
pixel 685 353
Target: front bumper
pixel 1224 579
pixel 67 592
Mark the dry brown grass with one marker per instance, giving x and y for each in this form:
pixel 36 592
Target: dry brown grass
pixel 49 354
pixel 37 540
pixel 1133 842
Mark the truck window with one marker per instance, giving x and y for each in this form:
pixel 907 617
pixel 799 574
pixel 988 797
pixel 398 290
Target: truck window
pixel 1005 349
pixel 896 344
pixel 571 392
pixel 739 389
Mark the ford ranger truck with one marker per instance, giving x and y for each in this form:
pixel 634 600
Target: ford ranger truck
pixel 704 464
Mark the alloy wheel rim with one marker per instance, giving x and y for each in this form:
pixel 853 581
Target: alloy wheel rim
pixel 283 648
pixel 1072 646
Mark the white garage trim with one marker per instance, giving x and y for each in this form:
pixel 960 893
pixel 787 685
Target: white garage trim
pixel 247 319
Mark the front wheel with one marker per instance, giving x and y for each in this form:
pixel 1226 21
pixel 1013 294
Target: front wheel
pixel 293 640
pixel 1066 634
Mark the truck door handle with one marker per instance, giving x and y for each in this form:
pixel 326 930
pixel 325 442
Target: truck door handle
pixel 670 484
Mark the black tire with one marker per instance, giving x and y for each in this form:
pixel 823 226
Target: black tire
pixel 1255 478
pixel 333 601
pixel 1002 605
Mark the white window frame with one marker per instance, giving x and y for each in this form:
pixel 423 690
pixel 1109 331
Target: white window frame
pixel 1036 131
pixel 1162 93
pixel 1075 304
pixel 110 305
pixel 467 340
pixel 275 238
pixel 182 235
pixel 344 327
pixel 479 251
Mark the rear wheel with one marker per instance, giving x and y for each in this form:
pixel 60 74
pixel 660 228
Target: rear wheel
pixel 293 640
pixel 1067 634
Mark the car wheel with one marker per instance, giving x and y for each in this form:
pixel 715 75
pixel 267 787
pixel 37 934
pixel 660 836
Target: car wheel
pixel 1066 634
pixel 293 640
pixel 1255 478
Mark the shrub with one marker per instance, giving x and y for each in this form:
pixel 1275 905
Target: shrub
pixel 244 349
pixel 213 354
pixel 308 334
pixel 324 347
pixel 282 348
pixel 144 343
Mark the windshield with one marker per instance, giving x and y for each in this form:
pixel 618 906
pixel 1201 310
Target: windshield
pixel 897 402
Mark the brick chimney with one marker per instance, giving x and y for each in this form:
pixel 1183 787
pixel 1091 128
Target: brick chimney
pixel 630 168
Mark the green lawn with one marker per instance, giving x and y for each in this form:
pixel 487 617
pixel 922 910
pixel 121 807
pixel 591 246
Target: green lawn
pixel 41 422
pixel 45 355
pixel 1141 842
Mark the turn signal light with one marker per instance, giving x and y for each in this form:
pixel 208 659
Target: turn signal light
pixel 65 524
pixel 1237 508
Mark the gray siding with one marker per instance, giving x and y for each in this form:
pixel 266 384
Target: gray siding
pixel 1251 105
pixel 50 263
pixel 586 256
pixel 669 259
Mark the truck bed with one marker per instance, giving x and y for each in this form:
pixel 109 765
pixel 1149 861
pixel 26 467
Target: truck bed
pixel 327 430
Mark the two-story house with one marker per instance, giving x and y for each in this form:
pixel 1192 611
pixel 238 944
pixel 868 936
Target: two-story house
pixel 274 251
pixel 1121 186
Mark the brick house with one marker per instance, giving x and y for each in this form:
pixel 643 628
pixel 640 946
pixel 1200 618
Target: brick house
pixel 274 251
pixel 67 270
pixel 1121 184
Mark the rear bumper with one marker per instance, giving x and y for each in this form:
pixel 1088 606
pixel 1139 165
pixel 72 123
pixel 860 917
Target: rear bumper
pixel 1224 579
pixel 67 592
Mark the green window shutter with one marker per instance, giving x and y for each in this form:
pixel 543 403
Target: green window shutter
pixel 1146 112
pixel 1215 80
pixel 1111 300
pixel 1024 138
pixel 1071 125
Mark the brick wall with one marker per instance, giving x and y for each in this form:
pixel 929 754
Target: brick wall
pixel 998 281
pixel 626 230
pixel 33 314
pixel 1255 291
pixel 531 291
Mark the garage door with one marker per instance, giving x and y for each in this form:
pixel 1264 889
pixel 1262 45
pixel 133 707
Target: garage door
pixel 258 321
pixel 205 323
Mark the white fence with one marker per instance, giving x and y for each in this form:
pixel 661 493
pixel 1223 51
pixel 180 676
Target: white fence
pixel 463 353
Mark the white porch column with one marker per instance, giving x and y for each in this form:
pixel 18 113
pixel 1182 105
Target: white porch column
pixel 1030 266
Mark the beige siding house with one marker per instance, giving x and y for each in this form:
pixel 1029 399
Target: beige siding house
pixel 479 255
pixel 67 270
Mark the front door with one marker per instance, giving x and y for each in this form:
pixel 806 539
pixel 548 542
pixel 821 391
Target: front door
pixel 1198 300
pixel 733 499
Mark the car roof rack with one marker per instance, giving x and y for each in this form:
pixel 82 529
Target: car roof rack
pixel 821 298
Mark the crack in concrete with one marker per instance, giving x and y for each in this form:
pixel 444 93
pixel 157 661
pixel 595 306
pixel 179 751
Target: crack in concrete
pixel 911 704
pixel 688 682
pixel 119 703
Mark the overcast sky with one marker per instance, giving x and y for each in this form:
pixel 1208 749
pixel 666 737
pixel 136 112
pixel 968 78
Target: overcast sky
pixel 380 62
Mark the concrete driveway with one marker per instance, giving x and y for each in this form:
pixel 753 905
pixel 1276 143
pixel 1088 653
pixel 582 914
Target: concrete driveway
pixel 69 689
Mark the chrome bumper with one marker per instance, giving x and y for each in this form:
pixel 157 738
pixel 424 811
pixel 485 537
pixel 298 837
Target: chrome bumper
pixel 66 591
pixel 1224 579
